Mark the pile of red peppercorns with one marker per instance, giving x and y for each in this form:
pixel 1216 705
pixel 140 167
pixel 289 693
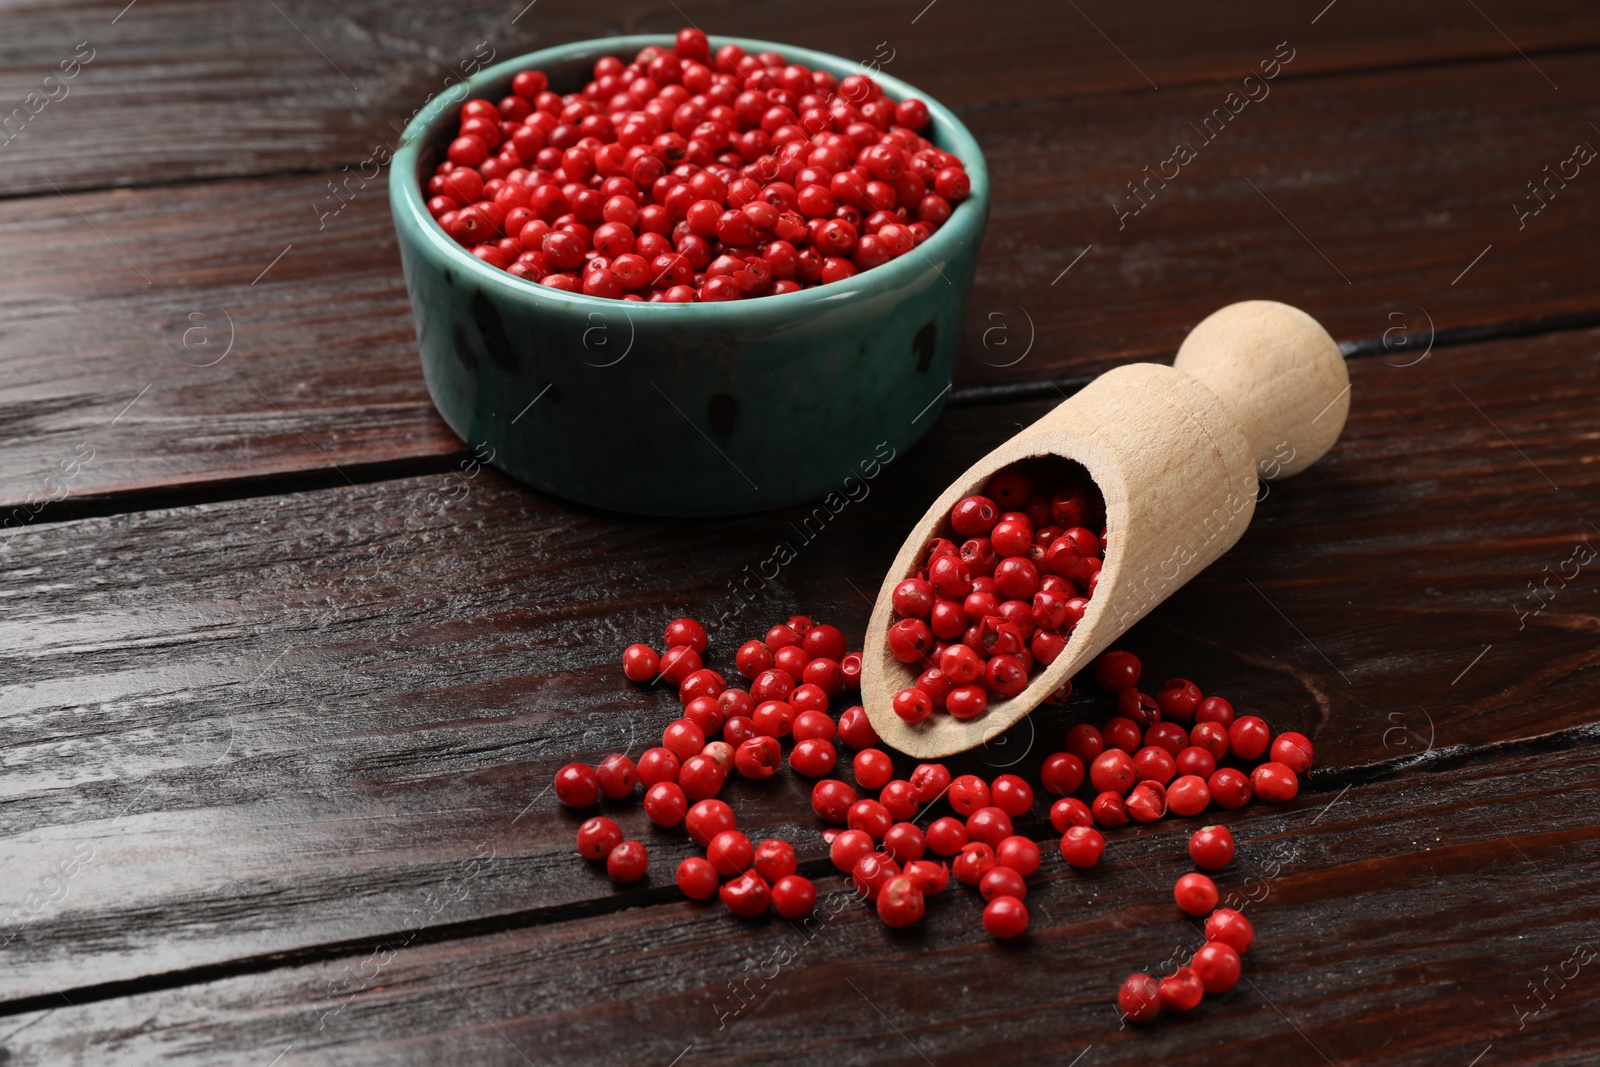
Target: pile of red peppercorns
pixel 981 617
pixel 685 177
pixel 1215 966
pixel 1159 755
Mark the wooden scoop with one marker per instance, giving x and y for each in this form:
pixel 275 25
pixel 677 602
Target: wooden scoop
pixel 1257 387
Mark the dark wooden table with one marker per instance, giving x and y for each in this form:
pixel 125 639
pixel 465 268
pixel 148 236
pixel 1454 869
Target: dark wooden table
pixel 283 678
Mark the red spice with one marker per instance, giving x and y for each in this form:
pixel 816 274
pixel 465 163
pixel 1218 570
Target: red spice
pixel 796 670
pixel 682 177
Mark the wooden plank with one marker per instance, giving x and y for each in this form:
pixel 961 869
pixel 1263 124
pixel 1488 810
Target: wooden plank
pixel 1412 919
pixel 256 712
pixel 136 299
pixel 180 90
pixel 1383 204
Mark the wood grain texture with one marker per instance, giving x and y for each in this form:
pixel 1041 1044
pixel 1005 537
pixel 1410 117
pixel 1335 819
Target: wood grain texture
pixel 1408 921
pixel 109 295
pixel 285 721
pixel 182 90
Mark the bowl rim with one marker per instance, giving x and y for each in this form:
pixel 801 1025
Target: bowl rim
pixel 407 202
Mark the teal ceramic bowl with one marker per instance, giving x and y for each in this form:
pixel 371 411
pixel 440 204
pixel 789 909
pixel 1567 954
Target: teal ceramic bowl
pixel 683 409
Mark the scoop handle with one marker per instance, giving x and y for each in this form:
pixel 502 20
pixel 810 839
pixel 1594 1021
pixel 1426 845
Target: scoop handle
pixel 1280 373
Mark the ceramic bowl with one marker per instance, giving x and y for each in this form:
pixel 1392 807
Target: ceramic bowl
pixel 683 409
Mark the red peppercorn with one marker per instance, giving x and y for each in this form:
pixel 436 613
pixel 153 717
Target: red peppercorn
pixel 912 705
pixel 974 516
pixel 872 872
pixel 1231 928
pixel 873 768
pixel 627 862
pixel 1248 737
pixel 730 852
pixel 972 861
pixel 1179 700
pixel 577 785
pixel 1068 812
pixel 850 670
pixel 929 782
pixel 1018 853
pixel 1147 802
pixel 679 662
pixel 946 836
pixel 697 878
pixel 1217 966
pixel 1061 774
pixel 1124 734
pixel 813 724
pixel 640 663
pixel 1011 794
pixel 1211 736
pixel 900 903
pixel 793 897
pixel 1196 761
pixel 1002 882
pixel 1230 789
pixel 967 702
pixel 617 776
pixel 758 757
pixel 855 729
pixel 1211 847
pixel 900 799
pixel 1082 846
pixel 734 702
pixel 989 825
pixel 1189 795
pixel 1154 764
pixel 666 804
pixel 848 847
pixel 831 800
pixel 1116 671
pixel 771 684
pixel 686 632
pixel 701 777
pixel 1139 999
pixel 1109 810
pixel 1196 894
pixel 597 837
pixel 813 758
pixel 1085 742
pixel 791 660
pixel 684 737
pixel 1215 709
pixel 706 819
pixel 1005 917
pixel 1275 783
pixel 752 659
pixel 1293 751
pixel 1182 992
pixel 658 765
pixel 905 842
pixel 774 718
pixel 1113 771
pixel 1167 735
pixel 747 895
pixel 1139 708
pixel 968 793
pixel 928 876
pixel 706 713
pixel 871 817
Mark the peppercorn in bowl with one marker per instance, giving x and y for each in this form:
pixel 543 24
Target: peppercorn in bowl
pixel 688 278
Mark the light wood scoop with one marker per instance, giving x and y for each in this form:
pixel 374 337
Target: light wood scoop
pixel 1258 389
